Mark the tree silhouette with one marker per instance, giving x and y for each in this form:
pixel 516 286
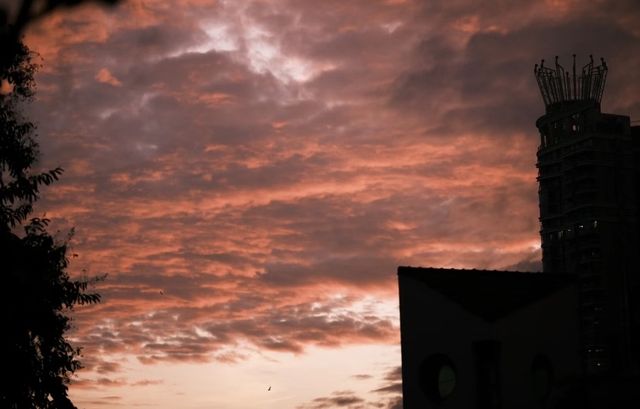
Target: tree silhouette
pixel 18 150
pixel 36 292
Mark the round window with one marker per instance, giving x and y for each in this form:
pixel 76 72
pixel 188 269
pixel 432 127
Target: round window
pixel 438 377
pixel 446 381
pixel 542 377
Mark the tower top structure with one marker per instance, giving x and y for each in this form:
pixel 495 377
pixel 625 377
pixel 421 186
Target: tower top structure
pixel 560 88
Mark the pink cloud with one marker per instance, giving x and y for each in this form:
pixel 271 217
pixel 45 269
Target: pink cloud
pixel 257 170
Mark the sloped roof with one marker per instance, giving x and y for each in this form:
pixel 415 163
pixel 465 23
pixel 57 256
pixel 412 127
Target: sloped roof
pixel 489 294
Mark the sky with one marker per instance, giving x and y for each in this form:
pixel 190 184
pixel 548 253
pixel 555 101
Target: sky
pixel 250 174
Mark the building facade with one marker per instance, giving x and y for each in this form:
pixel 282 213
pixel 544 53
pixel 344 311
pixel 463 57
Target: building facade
pixel 566 337
pixel 588 190
pixel 487 339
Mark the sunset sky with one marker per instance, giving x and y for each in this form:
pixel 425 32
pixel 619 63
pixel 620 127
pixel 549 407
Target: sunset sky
pixel 250 174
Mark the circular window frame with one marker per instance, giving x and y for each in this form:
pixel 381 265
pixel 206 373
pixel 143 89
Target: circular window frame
pixel 541 363
pixel 429 377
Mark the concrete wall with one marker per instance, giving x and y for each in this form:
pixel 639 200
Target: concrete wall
pixel 431 323
pixel 550 328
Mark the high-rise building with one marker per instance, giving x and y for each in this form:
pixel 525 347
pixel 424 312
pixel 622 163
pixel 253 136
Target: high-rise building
pixel 566 337
pixel 588 189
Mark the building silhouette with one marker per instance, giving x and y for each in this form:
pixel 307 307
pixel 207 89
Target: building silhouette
pixel 566 337
pixel 588 178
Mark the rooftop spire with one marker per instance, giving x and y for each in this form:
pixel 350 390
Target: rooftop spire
pixel 559 86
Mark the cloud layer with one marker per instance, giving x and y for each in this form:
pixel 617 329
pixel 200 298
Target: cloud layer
pixel 250 174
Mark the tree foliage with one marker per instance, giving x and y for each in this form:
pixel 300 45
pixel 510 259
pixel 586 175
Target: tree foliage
pixel 18 149
pixel 37 293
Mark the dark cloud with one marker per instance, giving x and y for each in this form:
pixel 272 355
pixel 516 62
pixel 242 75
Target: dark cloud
pixel 491 76
pixel 97 383
pixel 532 263
pixel 391 391
pixel 395 388
pixel 392 385
pixel 394 374
pixel 362 376
pixel 251 173
pixel 339 399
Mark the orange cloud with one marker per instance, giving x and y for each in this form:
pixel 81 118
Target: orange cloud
pixel 239 213
pixel 106 77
